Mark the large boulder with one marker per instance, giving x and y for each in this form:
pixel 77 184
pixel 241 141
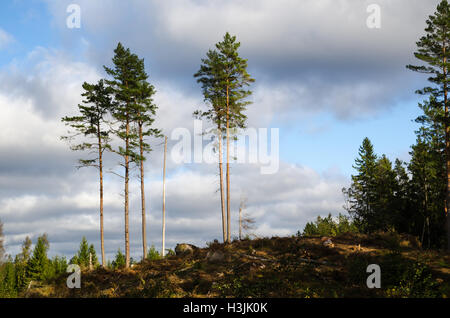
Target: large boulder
pixel 327 242
pixel 215 256
pixel 185 249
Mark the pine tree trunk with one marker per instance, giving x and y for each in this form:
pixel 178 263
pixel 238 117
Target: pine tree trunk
pixel 163 251
pixel 144 226
pixel 127 234
pixel 447 148
pixel 100 160
pixel 222 203
pixel 228 167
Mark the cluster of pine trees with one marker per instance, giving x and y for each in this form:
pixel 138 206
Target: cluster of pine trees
pixel 34 265
pixel 119 106
pixel 415 197
pixel 118 112
pixel 406 198
pixel 27 266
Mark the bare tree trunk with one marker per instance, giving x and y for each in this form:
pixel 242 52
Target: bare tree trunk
pixel 100 161
pixel 447 146
pixel 240 223
pixel 228 167
pixel 163 251
pixel 222 203
pixel 127 163
pixel 144 225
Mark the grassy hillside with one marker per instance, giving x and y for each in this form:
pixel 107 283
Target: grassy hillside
pixel 274 267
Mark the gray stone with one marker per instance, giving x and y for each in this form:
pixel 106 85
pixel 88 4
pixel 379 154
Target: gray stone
pixel 215 256
pixel 185 249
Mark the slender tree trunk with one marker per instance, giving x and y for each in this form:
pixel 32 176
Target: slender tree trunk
pixel 163 251
pixel 144 225
pixel 100 162
pixel 240 223
pixel 228 167
pixel 127 233
pixel 447 146
pixel 222 203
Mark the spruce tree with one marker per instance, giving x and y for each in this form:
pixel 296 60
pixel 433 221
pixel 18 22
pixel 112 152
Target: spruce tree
pixel 58 265
pixel 384 196
pixel 93 260
pixel 21 262
pixel 37 266
pixel 91 125
pixel 427 192
pixel 361 194
pixel 82 256
pixel 8 287
pixel 402 200
pixel 433 50
pixel 119 261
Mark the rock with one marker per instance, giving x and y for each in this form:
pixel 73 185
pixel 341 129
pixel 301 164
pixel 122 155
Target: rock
pixel 185 249
pixel 215 256
pixel 328 243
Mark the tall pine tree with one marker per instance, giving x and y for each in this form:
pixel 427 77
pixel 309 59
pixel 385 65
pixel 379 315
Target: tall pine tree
pixel 91 125
pixel 230 80
pixel 209 77
pixel 127 73
pixel 145 111
pixel 433 51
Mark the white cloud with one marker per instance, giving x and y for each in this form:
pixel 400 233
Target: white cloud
pixel 318 53
pixel 5 39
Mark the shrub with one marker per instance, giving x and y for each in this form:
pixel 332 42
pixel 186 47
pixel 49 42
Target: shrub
pixel 153 254
pixel 329 227
pixel 416 282
pixel 119 261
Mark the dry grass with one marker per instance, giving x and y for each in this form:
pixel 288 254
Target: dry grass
pixel 265 267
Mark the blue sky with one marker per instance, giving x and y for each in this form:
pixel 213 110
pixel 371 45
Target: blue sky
pixel 30 24
pixel 336 146
pixel 322 77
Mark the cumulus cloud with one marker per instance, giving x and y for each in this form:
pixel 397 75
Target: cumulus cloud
pixel 297 195
pixel 321 53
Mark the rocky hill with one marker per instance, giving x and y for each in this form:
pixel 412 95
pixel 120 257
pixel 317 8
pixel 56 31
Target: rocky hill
pixel 274 267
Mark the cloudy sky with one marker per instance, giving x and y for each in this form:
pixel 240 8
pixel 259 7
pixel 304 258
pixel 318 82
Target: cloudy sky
pixel 323 78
